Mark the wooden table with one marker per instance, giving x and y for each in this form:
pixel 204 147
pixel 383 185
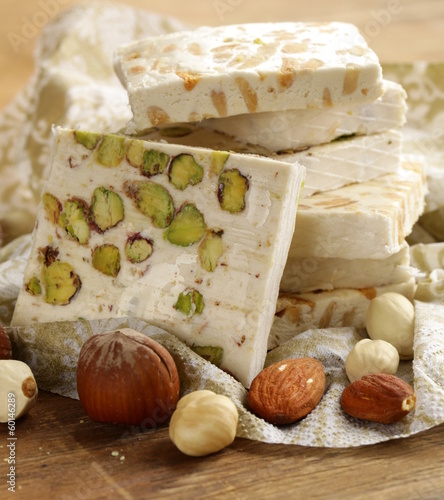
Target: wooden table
pixel 62 454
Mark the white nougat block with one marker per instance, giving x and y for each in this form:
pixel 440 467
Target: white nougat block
pixel 308 274
pixel 340 163
pixel 368 220
pixel 297 313
pixel 295 129
pixel 223 71
pixel 158 232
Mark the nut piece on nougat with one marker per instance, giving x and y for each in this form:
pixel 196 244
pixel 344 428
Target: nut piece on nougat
pixel 191 240
pixel 293 129
pixel 229 70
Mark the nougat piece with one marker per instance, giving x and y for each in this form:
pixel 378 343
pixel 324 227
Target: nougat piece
pixel 368 220
pixel 189 239
pixel 328 166
pixel 347 161
pixel 301 128
pixel 308 274
pixel 223 71
pixel 298 312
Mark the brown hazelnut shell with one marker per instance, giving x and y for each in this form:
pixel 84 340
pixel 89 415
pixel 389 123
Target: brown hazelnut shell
pixel 125 377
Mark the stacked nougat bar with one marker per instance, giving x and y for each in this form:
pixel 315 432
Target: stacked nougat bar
pixel 328 109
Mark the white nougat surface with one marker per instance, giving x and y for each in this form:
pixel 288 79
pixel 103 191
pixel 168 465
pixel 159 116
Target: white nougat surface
pixel 239 295
pixel 368 220
pixel 223 71
pixel 308 274
pixel 295 129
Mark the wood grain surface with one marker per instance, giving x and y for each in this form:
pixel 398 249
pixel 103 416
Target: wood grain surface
pixel 62 454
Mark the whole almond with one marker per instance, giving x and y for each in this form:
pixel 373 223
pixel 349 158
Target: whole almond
pixel 378 397
pixel 287 391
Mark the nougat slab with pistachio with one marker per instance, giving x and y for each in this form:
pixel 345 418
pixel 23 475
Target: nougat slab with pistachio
pixel 222 71
pixel 189 239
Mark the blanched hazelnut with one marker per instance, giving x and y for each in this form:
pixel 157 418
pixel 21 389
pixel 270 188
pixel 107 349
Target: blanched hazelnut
pixel 371 356
pixel 18 389
pixel 204 422
pixel 390 317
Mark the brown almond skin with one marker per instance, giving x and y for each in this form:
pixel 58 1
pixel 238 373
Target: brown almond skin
pixel 125 377
pixel 5 345
pixel 284 395
pixel 378 397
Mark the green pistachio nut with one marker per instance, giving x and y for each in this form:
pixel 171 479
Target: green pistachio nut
pixel 218 160
pixel 187 227
pixel 232 189
pixel 87 139
pixel 52 206
pixel 175 131
pixel 154 162
pixel 185 171
pixel 211 249
pixel 33 286
pixel 74 219
pixel 190 303
pixel 213 354
pixel 138 248
pixel 134 153
pixel 112 150
pixel 106 259
pixel 61 283
pixel 106 208
pixel 153 200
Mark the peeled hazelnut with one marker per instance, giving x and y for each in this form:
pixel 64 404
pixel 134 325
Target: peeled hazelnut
pixel 371 356
pixel 287 391
pixel 124 377
pixel 204 422
pixel 18 389
pixel 5 345
pixel 390 317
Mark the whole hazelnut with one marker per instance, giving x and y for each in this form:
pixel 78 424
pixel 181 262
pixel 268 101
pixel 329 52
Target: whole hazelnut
pixel 391 317
pixel 18 389
pixel 124 377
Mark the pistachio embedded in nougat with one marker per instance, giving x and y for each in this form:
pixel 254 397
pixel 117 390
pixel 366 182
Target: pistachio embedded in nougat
pixel 154 162
pixel 60 282
pixel 187 227
pixel 152 200
pixel 112 150
pixel 106 259
pixel 106 208
pixel 33 286
pixel 211 249
pixel 53 207
pixel 74 219
pixel 138 248
pixel 175 131
pixel 190 303
pixel 87 139
pixel 213 354
pixel 218 160
pixel 134 153
pixel 185 171
pixel 232 189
